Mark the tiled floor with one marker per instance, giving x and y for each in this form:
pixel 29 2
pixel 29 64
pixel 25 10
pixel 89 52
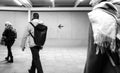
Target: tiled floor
pixel 54 60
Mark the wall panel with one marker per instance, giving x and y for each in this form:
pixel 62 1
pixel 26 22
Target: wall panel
pixel 18 19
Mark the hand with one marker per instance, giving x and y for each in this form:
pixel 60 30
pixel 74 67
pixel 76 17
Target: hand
pixel 23 48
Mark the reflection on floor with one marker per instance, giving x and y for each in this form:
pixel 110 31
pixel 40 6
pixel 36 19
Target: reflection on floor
pixel 54 60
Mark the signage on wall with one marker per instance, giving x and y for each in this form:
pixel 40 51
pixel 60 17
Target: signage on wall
pixel 60 26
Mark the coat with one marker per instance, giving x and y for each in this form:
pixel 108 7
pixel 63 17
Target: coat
pixel 100 24
pixel 9 35
pixel 96 63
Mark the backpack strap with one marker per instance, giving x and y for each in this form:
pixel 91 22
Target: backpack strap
pixel 32 24
pixel 29 31
pixel 31 34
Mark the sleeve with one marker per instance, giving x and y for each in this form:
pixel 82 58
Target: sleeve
pixel 4 33
pixel 15 34
pixel 25 35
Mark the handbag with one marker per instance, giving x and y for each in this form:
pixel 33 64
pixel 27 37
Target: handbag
pixel 2 41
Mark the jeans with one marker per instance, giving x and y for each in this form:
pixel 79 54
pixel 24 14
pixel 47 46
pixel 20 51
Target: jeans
pixel 36 63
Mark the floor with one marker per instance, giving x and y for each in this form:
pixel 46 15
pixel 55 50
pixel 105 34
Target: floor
pixel 54 60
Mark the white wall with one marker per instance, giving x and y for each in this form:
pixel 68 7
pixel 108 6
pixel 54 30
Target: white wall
pixel 18 19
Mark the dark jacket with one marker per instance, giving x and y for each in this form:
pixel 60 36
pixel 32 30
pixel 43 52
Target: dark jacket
pixel 10 36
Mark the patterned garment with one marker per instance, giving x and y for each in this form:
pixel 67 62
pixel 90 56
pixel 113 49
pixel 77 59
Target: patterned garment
pixel 103 20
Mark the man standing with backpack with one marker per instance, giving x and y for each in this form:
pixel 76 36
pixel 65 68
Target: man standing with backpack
pixel 36 32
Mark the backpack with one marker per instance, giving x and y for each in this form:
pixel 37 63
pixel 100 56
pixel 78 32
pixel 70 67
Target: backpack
pixel 40 32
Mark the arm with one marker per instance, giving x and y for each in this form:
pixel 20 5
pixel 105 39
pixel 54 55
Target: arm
pixel 4 33
pixel 15 33
pixel 24 38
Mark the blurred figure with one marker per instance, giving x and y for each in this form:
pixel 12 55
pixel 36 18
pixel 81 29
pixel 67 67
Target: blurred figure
pixel 101 54
pixel 35 48
pixel 10 35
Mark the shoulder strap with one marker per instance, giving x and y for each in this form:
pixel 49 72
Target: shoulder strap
pixel 29 31
pixel 31 34
pixel 32 24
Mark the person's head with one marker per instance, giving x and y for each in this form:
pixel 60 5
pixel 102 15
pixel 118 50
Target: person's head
pixel 35 16
pixel 8 24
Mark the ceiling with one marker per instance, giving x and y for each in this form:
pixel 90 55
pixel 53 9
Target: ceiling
pixel 47 3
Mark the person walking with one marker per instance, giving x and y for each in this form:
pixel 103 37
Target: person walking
pixel 30 32
pixel 9 35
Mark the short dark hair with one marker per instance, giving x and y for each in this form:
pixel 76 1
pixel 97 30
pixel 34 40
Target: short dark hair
pixel 35 16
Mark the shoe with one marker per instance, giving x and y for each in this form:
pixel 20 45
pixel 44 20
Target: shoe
pixel 10 61
pixel 30 71
pixel 6 58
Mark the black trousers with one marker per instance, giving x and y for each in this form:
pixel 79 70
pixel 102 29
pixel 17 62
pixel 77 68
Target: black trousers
pixel 36 63
pixel 9 53
pixel 9 44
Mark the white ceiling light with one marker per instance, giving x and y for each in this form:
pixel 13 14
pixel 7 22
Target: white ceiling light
pixel 17 1
pixel 25 3
pixel 52 0
pixel 53 3
pixel 81 0
pixel 78 2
